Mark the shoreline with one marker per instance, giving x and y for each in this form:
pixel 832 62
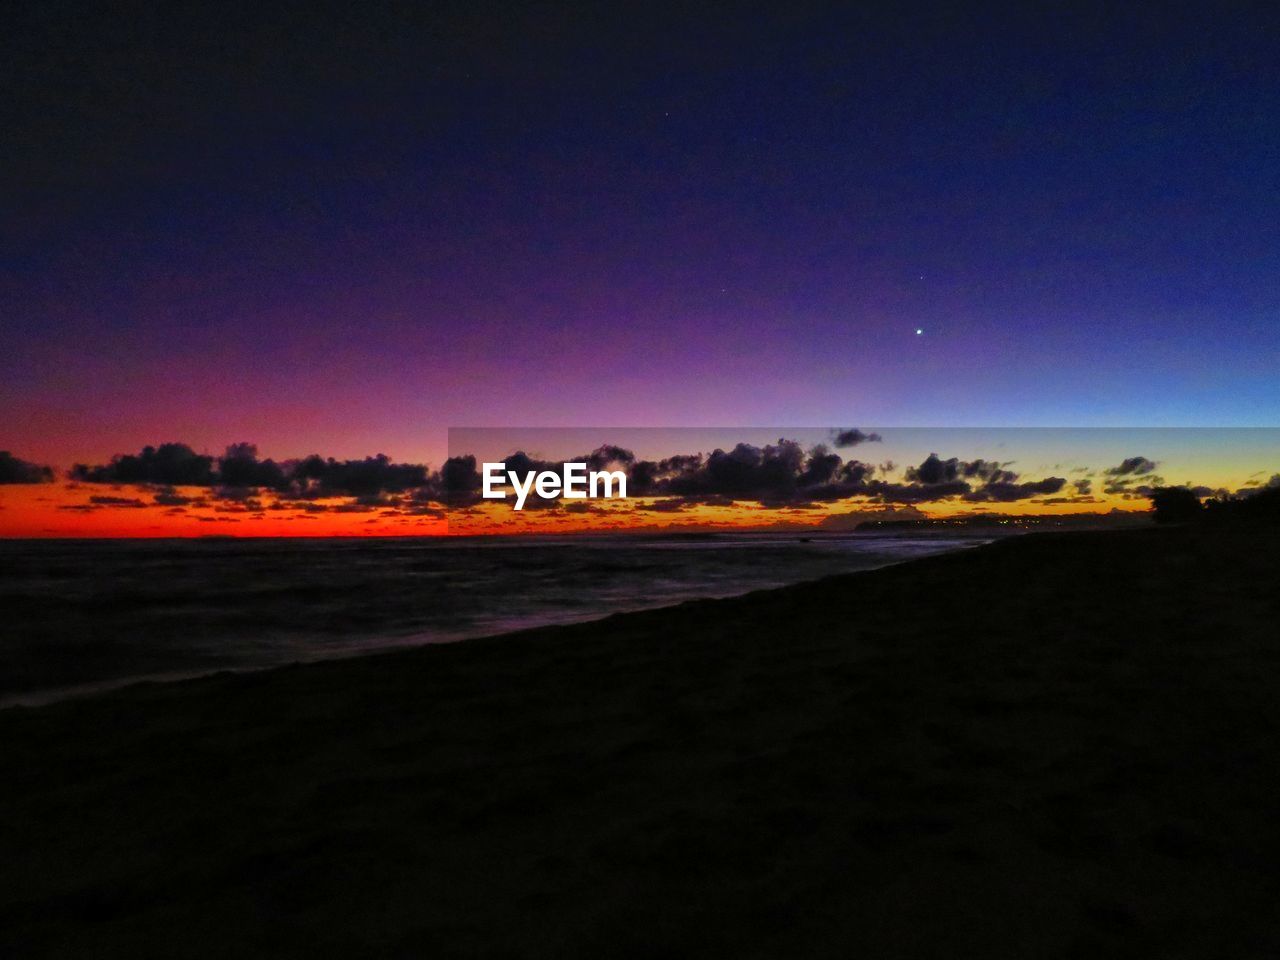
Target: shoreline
pixel 44 696
pixel 1055 745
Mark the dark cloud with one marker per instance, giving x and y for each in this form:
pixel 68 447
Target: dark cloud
pixel 13 470
pixel 608 456
pixel 780 474
pixel 674 505
pixel 170 464
pixel 521 463
pixel 746 471
pixel 974 481
pixel 935 470
pixel 459 480
pixel 239 472
pixel 1131 487
pixel 1001 491
pixel 853 437
pixel 887 492
pixel 773 476
pixel 240 468
pixel 1123 479
pixel 169 497
pixel 314 477
pixel 235 494
pixel 413 511
pixel 580 506
pixel 822 467
pixel 1083 487
pixel 459 484
pixel 1135 466
pixel 647 476
pixel 131 502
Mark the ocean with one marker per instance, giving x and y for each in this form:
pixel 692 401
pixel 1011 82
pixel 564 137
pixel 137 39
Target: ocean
pixel 89 614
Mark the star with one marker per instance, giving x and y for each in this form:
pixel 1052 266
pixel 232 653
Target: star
pixel 919 332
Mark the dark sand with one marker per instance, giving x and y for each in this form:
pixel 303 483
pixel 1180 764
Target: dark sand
pixel 1062 745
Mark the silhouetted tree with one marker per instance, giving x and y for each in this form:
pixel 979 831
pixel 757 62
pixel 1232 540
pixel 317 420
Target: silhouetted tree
pixel 1264 503
pixel 1260 504
pixel 1174 504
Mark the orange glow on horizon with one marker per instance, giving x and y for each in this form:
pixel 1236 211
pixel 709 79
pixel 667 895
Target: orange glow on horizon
pixel 69 510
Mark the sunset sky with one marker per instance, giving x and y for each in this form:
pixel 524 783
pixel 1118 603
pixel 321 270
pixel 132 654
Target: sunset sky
pixel 678 479
pixel 344 235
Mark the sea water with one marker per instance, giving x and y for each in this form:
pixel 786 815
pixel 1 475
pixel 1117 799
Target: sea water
pixel 76 615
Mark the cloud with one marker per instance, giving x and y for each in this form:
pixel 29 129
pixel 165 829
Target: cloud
pixel 239 471
pixel 460 480
pixel 131 502
pixel 1083 487
pixel 240 468
pixel 14 470
pixel 775 475
pixel 853 437
pixel 1131 488
pixel 314 477
pixel 1135 466
pixel 781 475
pixel 917 492
pixel 1123 479
pixel 973 481
pixel 580 506
pixel 674 505
pixel 169 497
pixel 1002 491
pixel 935 470
pixel 609 456
pixel 170 465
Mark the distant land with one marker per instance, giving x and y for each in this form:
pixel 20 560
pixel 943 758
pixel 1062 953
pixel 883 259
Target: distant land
pixel 1068 521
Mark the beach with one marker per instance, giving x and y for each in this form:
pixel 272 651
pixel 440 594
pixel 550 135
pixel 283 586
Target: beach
pixel 86 615
pixel 1054 745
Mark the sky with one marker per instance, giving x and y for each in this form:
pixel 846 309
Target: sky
pixel 343 230
pixel 662 480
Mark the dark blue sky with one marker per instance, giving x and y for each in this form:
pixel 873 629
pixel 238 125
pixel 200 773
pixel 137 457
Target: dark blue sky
pixel 348 230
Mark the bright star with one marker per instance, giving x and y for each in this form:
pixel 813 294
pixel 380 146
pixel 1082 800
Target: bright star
pixel 919 332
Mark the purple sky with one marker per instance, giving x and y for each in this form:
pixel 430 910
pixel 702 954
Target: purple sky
pixel 346 234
